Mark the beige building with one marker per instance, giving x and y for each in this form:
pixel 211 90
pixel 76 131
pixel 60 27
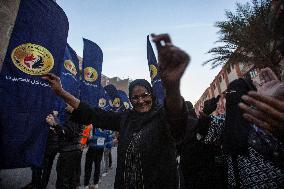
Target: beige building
pixel 120 84
pixel 219 85
pixel 8 13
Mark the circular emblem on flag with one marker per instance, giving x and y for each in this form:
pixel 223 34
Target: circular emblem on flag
pixel 153 71
pixel 126 105
pixel 90 74
pixel 116 102
pixel 70 66
pixel 102 102
pixel 32 59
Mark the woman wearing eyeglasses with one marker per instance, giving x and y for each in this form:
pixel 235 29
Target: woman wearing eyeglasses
pixel 148 133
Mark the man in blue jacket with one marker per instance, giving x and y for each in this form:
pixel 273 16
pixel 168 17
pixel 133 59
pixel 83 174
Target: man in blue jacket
pixel 94 154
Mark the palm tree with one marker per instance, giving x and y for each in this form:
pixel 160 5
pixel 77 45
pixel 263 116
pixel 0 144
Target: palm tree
pixel 248 36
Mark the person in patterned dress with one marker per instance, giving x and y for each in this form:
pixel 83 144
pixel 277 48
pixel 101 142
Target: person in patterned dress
pixel 254 156
pixel 201 157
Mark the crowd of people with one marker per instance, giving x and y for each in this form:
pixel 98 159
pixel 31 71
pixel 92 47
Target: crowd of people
pixel 238 146
pixel 172 146
pixel 66 139
pixel 235 141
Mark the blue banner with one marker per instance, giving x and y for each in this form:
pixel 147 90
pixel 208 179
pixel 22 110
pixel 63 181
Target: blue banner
pixel 70 79
pixel 36 47
pixel 105 102
pixel 125 103
pixel 156 81
pixel 92 69
pixel 114 97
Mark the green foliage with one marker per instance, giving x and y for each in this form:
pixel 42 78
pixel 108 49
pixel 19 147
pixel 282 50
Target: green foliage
pixel 247 36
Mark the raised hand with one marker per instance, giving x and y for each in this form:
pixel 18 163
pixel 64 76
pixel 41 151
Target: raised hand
pixel 271 86
pixel 50 120
pixel 172 60
pixel 172 64
pixel 54 82
pixel 266 106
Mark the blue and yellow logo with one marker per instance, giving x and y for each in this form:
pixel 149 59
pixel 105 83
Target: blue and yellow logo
pixel 102 102
pixel 153 71
pixel 126 105
pixel 116 102
pixel 32 59
pixel 90 74
pixel 70 66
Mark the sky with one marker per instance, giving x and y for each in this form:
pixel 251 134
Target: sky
pixel 120 28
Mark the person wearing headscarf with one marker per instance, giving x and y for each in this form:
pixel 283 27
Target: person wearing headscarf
pixel 201 158
pixel 254 157
pixel 148 133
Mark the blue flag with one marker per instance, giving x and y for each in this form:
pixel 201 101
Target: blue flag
pixel 105 102
pixel 114 97
pixel 70 79
pixel 124 99
pixel 92 70
pixel 156 81
pixel 36 47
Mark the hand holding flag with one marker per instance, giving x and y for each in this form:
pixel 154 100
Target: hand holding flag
pixel 55 83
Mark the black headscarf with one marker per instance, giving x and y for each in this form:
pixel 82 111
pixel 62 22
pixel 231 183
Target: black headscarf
pixel 138 119
pixel 143 83
pixel 140 82
pixel 236 127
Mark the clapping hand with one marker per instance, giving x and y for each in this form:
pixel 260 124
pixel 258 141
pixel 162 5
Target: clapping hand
pixel 266 106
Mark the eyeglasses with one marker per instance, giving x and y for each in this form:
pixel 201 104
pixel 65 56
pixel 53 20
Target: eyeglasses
pixel 229 93
pixel 142 96
pixel 232 91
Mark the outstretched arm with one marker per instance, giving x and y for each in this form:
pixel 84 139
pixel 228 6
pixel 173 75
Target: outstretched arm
pixel 55 84
pixel 83 113
pixel 172 64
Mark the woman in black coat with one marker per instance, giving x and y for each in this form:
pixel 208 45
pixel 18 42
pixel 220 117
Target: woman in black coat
pixel 148 133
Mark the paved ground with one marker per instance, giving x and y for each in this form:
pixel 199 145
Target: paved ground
pixel 17 178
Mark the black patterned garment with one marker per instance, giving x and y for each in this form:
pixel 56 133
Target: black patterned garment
pixel 202 162
pixel 146 154
pixel 255 172
pixel 261 167
pixel 215 130
pixel 133 174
